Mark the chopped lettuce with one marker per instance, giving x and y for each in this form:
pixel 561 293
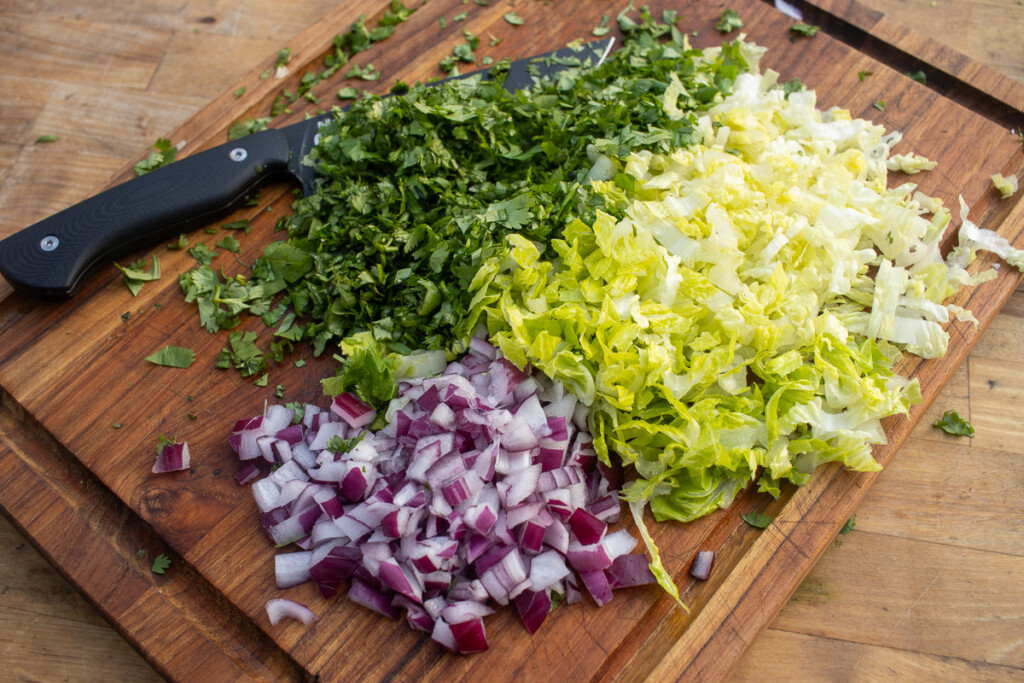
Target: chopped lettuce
pixel 735 311
pixel 1006 185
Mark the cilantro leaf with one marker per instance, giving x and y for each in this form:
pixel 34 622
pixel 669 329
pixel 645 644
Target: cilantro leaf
pixel 229 243
pixel 802 29
pixel 513 18
pixel 729 21
pixel 203 253
pixel 951 422
pixel 161 563
pixel 848 526
pixel 135 277
pixel 240 129
pixel 758 519
pixel 162 154
pixel 338 445
pixel 172 357
pixel 243 354
pixel 366 373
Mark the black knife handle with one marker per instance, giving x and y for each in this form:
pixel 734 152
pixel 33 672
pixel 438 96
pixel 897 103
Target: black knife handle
pixel 52 257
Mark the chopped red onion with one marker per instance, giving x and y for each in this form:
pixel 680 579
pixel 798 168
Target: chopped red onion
pixel 702 563
pixel 173 457
pixel 280 608
pixel 482 489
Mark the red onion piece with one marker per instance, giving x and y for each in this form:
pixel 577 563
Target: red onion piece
pixel 702 563
pixel 482 489
pixel 281 608
pixel 173 457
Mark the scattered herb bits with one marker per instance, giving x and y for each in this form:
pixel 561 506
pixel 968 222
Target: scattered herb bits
pixel 172 357
pixel 758 519
pixel 953 423
pixel 161 563
pixel 729 21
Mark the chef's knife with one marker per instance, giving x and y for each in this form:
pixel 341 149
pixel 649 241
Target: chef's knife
pixel 52 257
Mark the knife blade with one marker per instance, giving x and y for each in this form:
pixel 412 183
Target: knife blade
pixel 53 257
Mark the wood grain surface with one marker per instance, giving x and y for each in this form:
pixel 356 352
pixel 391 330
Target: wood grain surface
pixel 927 586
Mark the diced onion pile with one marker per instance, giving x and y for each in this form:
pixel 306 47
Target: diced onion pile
pixel 483 489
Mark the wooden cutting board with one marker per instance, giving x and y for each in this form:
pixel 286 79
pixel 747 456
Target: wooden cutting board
pixel 72 371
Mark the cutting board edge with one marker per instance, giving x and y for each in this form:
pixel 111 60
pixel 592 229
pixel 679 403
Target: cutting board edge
pixel 877 35
pixel 176 622
pixel 222 105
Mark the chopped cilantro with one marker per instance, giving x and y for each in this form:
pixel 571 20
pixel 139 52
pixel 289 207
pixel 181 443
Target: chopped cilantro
pixel 861 75
pixel 513 18
pixel 602 29
pixel 125 316
pixel 117 425
pixel 348 93
pixel 203 253
pixel 849 526
pixel 298 411
pixel 240 224
pixel 247 127
pixel 135 277
pixel 45 138
pixel 172 357
pixel 422 189
pixel 447 64
pixel 790 87
pixel 758 519
pixel 243 354
pixel 367 73
pixel 461 16
pixel 729 21
pixel 284 57
pixel 240 91
pixel 279 391
pixel 464 53
pixel 181 243
pixel 918 76
pixel 229 243
pixel 162 154
pixel 161 563
pixel 880 105
pixel 338 445
pixel 951 422
pixel 802 29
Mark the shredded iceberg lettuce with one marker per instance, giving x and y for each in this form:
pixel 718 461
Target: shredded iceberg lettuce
pixel 736 310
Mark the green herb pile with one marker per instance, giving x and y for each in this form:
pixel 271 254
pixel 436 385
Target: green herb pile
pixel 418 190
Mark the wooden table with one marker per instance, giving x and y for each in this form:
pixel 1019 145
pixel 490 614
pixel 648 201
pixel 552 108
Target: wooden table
pixel 930 583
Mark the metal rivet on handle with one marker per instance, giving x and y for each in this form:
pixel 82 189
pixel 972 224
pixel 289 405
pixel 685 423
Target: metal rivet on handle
pixel 238 154
pixel 49 243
